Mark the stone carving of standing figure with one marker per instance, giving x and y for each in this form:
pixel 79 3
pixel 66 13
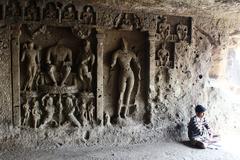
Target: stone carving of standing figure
pixel 163 55
pixel 31 56
pixel 26 111
pixel 124 57
pixel 70 104
pixel 60 110
pixel 87 16
pixel 90 111
pixel 86 67
pixel 31 12
pixel 36 113
pixel 47 102
pixel 59 58
pixel 83 110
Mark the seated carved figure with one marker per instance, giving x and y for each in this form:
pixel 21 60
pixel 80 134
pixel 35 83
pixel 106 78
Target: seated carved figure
pixel 47 102
pixel 59 59
pixel 69 13
pixel 26 110
pixel 163 56
pixel 70 104
pixel 51 11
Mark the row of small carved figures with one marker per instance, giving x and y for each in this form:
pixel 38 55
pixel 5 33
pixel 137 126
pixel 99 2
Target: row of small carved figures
pixel 64 109
pixel 52 11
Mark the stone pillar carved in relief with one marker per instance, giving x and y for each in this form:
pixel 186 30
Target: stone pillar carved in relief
pixel 100 50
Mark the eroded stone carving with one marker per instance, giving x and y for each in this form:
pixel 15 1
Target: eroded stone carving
pixel 57 76
pixel 26 112
pixel 51 11
pixel 163 56
pixel 87 16
pixel 81 32
pixel 70 104
pixel 49 107
pixel 124 57
pixel 59 105
pixel 85 68
pixel 32 11
pixel 69 13
pixel 128 21
pixel 182 31
pixel 59 60
pixel 163 31
pixel 105 19
pixel 87 108
pixel 31 56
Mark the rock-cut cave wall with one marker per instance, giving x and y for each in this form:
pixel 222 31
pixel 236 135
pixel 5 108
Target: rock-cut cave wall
pixel 76 73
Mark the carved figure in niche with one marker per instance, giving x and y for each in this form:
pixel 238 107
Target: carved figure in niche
pixel 125 21
pixel 137 22
pixel 164 29
pixel 124 57
pixel 59 59
pixel 83 111
pixel 31 12
pixel 163 56
pixel 86 67
pixel 87 16
pixel 69 13
pixel 70 104
pixel 106 118
pixel 90 111
pixel 51 11
pixel 47 102
pixel 31 56
pixel 26 111
pixel 60 110
pixel 36 113
pixel 13 10
pixel 182 31
pixel 106 20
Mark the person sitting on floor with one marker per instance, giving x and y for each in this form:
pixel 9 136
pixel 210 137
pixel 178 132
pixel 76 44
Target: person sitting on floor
pixel 199 132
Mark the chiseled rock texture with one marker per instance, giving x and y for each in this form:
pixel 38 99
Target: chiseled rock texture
pixel 198 77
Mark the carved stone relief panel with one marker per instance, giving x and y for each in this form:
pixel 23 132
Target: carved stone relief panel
pixel 170 30
pixel 83 64
pixel 124 78
pixel 56 78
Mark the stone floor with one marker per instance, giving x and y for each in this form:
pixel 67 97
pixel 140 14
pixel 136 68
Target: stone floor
pixel 156 151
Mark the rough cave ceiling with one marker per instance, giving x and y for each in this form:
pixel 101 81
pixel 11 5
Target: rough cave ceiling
pixel 216 8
